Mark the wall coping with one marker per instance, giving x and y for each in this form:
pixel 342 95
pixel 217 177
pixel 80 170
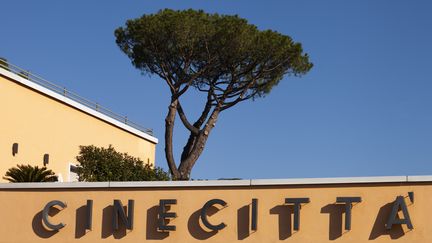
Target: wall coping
pixel 219 183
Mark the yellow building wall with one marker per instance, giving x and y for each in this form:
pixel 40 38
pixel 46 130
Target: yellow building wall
pixel 321 220
pixel 42 125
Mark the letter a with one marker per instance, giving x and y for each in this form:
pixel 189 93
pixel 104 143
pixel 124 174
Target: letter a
pixel 394 219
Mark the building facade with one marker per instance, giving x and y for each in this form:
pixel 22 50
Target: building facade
pixel 44 125
pixel 375 209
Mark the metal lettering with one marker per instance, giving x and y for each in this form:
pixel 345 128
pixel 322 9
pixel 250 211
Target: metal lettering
pixel 164 214
pixel 119 211
pixel 394 219
pixel 348 201
pixel 45 214
pixel 89 212
pixel 204 214
pixel 254 221
pixel 297 206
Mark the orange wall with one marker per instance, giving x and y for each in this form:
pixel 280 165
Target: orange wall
pixel 321 219
pixel 41 125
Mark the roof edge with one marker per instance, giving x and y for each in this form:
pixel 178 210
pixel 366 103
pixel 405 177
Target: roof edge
pixel 76 105
pixel 220 183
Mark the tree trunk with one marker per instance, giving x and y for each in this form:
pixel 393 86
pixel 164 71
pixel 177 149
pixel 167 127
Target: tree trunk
pixel 199 142
pixel 169 128
pixel 188 147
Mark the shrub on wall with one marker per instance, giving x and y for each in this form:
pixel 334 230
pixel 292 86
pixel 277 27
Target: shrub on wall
pixel 28 173
pixel 106 164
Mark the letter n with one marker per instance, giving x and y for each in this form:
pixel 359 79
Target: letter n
pixel 120 214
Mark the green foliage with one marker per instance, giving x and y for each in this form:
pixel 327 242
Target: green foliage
pixel 28 173
pixel 204 48
pixel 223 56
pixel 106 164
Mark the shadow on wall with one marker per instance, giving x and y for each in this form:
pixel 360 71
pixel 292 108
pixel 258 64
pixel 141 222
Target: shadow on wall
pixel 195 228
pixel 284 212
pixel 80 222
pixel 152 232
pixel 335 212
pixel 107 229
pixel 243 222
pixel 38 227
pixel 379 228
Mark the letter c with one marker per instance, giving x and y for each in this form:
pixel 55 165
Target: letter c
pixel 204 214
pixel 45 214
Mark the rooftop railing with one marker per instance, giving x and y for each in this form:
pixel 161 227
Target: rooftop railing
pixel 71 95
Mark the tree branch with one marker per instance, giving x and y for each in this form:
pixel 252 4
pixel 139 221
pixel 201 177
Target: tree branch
pixel 207 108
pixel 198 123
pixel 198 145
pixel 185 121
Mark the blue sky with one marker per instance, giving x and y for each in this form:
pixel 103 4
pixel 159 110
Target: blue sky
pixel 364 109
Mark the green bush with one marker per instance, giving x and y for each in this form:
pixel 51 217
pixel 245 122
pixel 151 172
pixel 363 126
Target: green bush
pixel 106 164
pixel 28 173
